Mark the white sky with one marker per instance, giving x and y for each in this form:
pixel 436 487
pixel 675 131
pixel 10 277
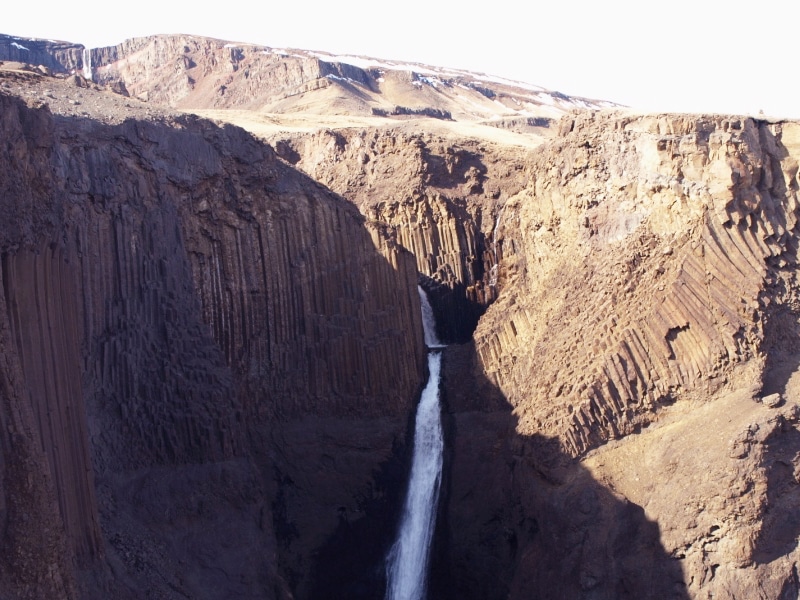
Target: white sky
pixel 672 55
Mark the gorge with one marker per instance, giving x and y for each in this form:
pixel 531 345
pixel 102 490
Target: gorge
pixel 213 343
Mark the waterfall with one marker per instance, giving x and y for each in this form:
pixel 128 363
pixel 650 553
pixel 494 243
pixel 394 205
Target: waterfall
pixel 428 321
pixel 87 64
pixel 407 563
pixel 496 265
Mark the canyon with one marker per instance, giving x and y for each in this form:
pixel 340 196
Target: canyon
pixel 213 345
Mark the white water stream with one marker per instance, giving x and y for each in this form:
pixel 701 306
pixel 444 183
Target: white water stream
pixel 87 64
pixel 407 563
pixel 496 265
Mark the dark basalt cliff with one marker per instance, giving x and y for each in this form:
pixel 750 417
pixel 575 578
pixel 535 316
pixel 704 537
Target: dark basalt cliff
pixel 191 331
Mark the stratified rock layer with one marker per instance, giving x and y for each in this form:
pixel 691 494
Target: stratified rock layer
pixel 202 73
pixel 59 57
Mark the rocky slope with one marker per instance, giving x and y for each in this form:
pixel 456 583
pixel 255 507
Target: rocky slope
pixel 655 238
pixel 195 72
pixel 170 331
pixel 192 72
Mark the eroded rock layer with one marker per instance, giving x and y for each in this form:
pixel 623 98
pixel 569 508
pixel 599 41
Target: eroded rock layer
pixel 202 73
pixel 176 303
pixel 652 237
pixel 59 57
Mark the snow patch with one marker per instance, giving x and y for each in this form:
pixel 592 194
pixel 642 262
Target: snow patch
pixel 435 76
pixel 337 78
pixel 510 82
pixel 431 81
pixel 282 53
pixel 20 46
pixel 371 63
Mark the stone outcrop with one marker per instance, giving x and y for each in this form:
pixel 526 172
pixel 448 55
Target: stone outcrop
pixel 193 72
pixel 653 237
pixel 647 301
pixel 58 57
pixel 175 301
pixel 439 197
pixel 189 71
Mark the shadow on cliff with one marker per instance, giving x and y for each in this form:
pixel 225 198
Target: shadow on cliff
pixel 519 519
pixel 216 293
pixel 781 522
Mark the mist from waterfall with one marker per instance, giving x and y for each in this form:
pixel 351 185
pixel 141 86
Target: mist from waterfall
pixel 407 563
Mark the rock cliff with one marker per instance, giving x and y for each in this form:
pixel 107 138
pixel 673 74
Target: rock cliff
pixel 439 196
pixel 185 71
pixel 655 238
pixel 58 57
pixel 646 306
pixel 635 270
pixel 175 302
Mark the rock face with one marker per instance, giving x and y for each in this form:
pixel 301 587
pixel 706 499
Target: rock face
pixel 169 330
pixel 439 197
pixel 202 73
pixel 654 237
pixel 649 273
pixel 59 57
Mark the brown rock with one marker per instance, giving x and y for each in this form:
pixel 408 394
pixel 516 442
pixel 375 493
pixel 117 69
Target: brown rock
pixel 171 326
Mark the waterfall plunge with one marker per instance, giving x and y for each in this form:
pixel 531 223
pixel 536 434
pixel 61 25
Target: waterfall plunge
pixel 428 321
pixel 496 266
pixel 87 64
pixel 407 563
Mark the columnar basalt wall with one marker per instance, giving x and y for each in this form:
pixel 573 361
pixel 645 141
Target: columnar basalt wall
pixel 612 428
pixel 40 299
pixel 652 236
pixel 183 311
pixel 440 198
